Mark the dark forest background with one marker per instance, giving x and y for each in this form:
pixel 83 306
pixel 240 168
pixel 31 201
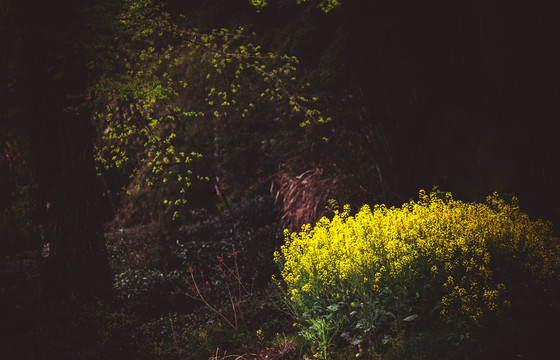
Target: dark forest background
pixel 462 96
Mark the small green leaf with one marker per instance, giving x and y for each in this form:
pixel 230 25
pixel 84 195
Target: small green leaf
pixel 333 307
pixel 410 318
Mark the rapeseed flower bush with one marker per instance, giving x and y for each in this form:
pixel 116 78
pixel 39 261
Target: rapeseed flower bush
pixel 434 260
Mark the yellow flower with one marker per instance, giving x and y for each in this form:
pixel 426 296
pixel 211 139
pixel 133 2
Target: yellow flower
pixel 447 243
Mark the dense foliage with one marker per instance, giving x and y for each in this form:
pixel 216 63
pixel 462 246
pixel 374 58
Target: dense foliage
pixel 372 274
pixel 177 93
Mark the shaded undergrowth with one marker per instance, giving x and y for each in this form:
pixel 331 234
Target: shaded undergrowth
pixel 204 291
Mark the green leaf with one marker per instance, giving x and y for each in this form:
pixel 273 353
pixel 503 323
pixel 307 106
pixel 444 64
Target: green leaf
pixel 410 318
pixel 333 307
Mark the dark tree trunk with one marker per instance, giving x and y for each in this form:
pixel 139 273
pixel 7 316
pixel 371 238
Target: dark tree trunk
pixel 74 256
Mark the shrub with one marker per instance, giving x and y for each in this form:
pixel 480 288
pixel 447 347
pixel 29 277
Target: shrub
pixel 435 261
pixel 150 292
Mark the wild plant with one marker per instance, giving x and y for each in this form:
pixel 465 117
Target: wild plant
pixel 371 276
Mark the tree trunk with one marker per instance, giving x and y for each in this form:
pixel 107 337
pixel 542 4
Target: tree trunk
pixel 74 256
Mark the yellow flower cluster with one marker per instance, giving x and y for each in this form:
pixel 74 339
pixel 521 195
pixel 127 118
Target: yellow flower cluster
pixel 438 250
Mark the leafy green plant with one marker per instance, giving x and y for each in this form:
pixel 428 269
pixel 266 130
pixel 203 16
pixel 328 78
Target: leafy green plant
pixel 321 331
pixel 147 113
pixel 438 260
pixel 325 5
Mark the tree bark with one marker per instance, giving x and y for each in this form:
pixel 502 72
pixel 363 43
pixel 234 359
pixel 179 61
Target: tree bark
pixel 74 257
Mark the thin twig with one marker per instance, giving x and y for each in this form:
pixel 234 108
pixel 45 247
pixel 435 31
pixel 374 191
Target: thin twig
pixel 179 351
pixel 201 297
pixel 232 307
